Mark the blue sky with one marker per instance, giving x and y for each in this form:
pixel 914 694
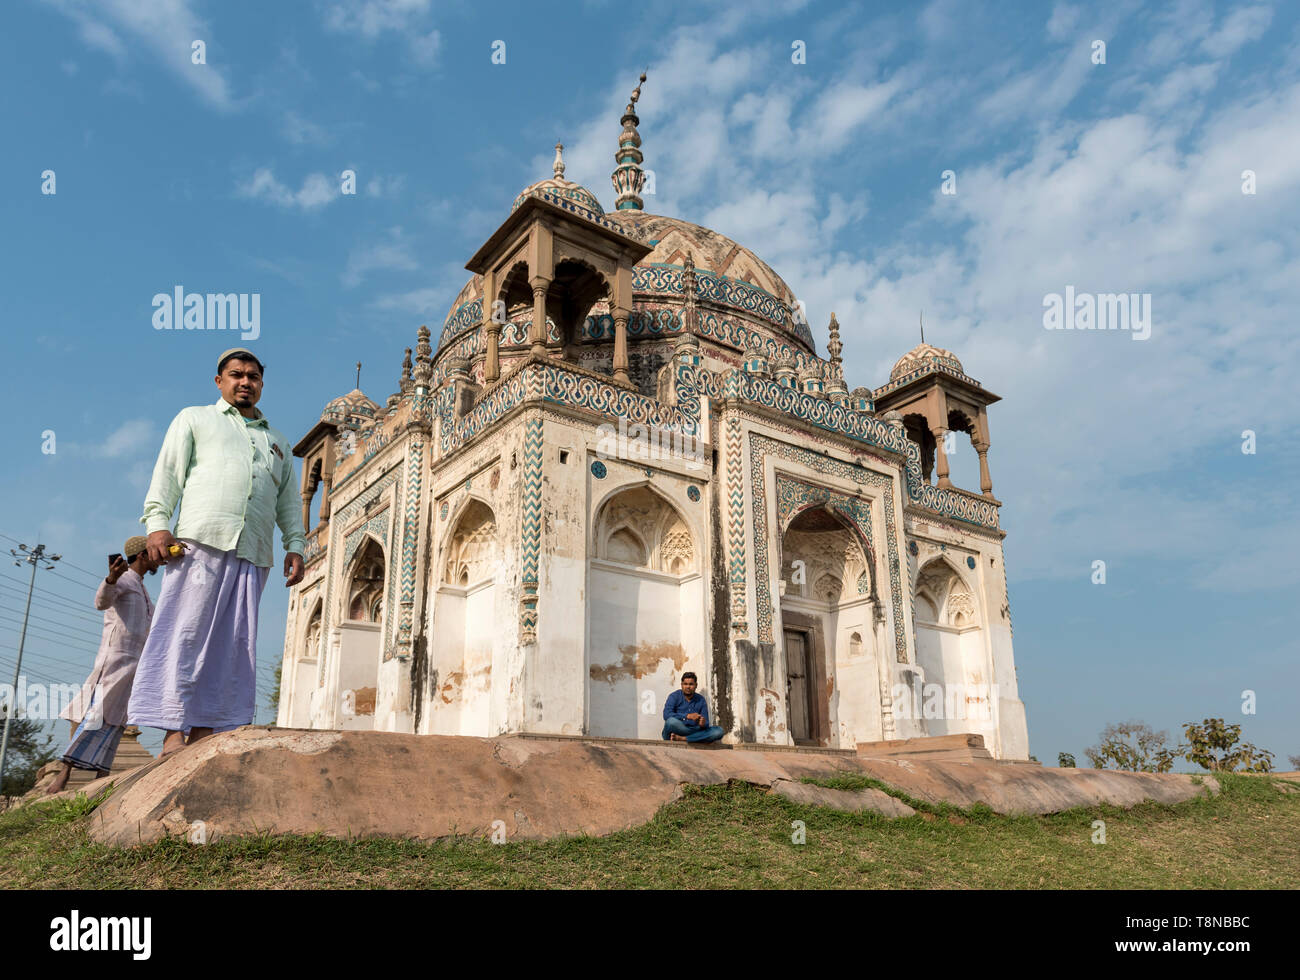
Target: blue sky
pixel 1117 177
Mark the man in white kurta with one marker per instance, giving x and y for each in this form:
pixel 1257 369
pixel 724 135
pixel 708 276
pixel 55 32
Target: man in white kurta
pixel 231 474
pixel 98 712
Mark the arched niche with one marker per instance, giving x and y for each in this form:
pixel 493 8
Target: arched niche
pixel 645 612
pixel 465 625
pixel 366 577
pixel 950 649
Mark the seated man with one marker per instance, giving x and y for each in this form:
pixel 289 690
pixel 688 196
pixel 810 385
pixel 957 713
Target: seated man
pixel 686 715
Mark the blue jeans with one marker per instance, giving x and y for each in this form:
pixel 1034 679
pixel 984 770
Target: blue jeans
pixel 693 732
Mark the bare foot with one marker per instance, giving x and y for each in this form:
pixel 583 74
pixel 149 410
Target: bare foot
pixel 677 738
pixel 172 742
pixel 60 781
pixel 197 734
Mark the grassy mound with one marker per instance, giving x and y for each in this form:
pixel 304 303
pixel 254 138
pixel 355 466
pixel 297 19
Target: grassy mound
pixel 736 836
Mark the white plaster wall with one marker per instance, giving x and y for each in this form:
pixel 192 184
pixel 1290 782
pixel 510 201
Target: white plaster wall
pixel 446 656
pixel 358 668
pixel 473 681
pixel 635 625
pixel 855 697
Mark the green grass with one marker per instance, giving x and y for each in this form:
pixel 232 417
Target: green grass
pixel 734 836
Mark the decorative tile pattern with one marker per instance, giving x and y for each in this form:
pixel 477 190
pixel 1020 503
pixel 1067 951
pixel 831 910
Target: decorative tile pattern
pixel 598 469
pixel 735 451
pixel 693 494
pixel 410 540
pixel 531 529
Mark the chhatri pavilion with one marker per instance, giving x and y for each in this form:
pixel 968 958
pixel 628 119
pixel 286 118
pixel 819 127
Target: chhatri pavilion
pixel 624 459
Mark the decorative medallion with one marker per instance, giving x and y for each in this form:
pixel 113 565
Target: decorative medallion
pixel 912 549
pixel 442 511
pixel 598 469
pixel 693 493
pixel 970 561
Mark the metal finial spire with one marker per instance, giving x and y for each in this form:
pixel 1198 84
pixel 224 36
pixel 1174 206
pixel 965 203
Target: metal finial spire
pixel 628 177
pixel 923 326
pixel 358 375
pixel 559 160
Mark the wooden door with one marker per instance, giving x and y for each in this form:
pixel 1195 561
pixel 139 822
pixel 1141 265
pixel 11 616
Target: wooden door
pixel 798 685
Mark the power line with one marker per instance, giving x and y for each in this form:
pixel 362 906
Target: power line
pixel 74 605
pixel 60 638
pixel 60 622
pixel 80 604
pixel 83 585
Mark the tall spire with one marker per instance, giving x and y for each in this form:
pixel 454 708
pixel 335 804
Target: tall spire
pixel 628 177
pixel 559 160
pixel 834 347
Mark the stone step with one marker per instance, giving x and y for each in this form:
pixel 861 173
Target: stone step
pixel 964 747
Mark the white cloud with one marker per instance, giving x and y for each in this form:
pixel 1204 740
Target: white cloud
pixel 129 438
pixel 381 186
pixel 370 19
pixel 298 130
pixel 166 28
pixel 316 191
pixel 1239 28
pixel 393 253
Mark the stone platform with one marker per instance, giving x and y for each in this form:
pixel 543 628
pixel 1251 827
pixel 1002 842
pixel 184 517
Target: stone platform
pixel 364 784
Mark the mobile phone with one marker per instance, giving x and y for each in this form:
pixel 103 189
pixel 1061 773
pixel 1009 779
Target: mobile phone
pixel 112 558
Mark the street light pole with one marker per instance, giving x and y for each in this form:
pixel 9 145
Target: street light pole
pixel 33 558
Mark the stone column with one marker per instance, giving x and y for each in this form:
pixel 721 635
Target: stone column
pixel 306 509
pixel 492 363
pixel 986 481
pixel 537 334
pixel 620 346
pixel 941 456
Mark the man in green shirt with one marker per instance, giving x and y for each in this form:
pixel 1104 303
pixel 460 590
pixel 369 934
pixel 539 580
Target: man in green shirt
pixel 232 475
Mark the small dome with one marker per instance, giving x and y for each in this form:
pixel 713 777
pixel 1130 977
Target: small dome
pixel 354 404
pixel 560 187
pixel 923 354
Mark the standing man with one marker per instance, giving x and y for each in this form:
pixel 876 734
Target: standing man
pixel 232 474
pixel 686 715
pixel 98 712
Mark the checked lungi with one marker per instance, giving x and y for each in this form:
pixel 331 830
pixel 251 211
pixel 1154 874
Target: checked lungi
pixel 199 665
pixel 94 744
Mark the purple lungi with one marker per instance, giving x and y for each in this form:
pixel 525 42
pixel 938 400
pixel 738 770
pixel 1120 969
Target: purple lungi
pixel 198 667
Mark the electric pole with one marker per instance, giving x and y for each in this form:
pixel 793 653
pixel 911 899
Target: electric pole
pixel 33 558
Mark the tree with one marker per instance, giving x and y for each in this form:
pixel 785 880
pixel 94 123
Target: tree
pixel 1213 745
pixel 26 754
pixel 1294 760
pixel 1131 745
pixel 273 702
pixel 1065 760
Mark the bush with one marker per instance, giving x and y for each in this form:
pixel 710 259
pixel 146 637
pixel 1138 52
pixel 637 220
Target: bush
pixel 1213 745
pixel 1132 746
pixel 1065 760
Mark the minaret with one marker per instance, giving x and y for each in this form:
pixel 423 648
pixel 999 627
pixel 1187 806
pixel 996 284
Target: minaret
pixel 559 161
pixel 836 389
pixel 628 177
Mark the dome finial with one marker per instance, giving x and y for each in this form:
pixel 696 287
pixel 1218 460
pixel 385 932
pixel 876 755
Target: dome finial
pixel 922 317
pixel 628 177
pixel 834 347
pixel 559 160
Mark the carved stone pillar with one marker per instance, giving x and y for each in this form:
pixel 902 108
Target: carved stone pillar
pixel 620 346
pixel 492 363
pixel 941 456
pixel 537 333
pixel 306 509
pixel 986 481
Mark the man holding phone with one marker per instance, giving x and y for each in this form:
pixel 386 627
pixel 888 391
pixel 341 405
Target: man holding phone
pixel 232 475
pixel 98 712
